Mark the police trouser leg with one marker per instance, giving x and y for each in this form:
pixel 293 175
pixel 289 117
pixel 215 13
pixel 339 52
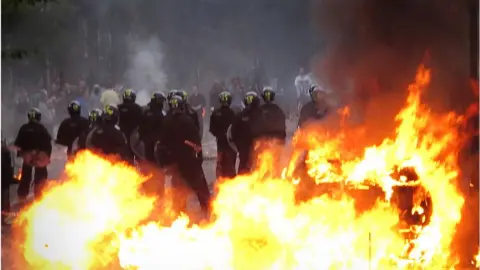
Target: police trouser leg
pixel 244 162
pixel 25 181
pixel 226 159
pixel 150 152
pixel 5 197
pixel 195 178
pixel 177 193
pixel 127 138
pixel 40 180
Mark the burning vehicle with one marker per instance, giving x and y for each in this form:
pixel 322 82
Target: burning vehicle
pixel 395 205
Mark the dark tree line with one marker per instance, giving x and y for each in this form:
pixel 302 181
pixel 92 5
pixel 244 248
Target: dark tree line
pixel 70 38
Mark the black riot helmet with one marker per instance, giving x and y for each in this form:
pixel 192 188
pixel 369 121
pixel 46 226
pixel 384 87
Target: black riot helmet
pixel 171 94
pixel 316 93
pixel 176 104
pixel 158 99
pixel 268 95
pixel 129 95
pixel 251 100
pixel 110 115
pixel 95 117
pixel 34 115
pixel 225 99
pixel 184 95
pixel 74 108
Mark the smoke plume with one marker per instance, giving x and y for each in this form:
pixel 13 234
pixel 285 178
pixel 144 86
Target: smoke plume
pixel 379 44
pixel 145 71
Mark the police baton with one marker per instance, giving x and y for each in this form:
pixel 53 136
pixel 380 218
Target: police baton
pixel 195 147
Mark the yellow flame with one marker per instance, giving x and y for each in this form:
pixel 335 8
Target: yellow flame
pixel 95 219
pixel 477 259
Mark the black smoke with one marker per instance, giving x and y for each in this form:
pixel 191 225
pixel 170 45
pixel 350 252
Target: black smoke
pixel 388 39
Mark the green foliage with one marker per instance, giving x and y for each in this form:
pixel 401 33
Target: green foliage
pixel 30 26
pixel 17 54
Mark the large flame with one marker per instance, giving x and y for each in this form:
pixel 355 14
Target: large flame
pixel 476 260
pixel 96 218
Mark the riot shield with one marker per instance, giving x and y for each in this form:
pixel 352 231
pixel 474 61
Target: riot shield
pixel 88 141
pixel 136 145
pixel 75 146
pixel 230 139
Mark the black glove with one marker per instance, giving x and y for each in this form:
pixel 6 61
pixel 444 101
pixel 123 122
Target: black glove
pixel 200 156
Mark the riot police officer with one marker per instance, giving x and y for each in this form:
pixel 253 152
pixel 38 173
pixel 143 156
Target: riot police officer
pixel 150 127
pixel 129 113
pixel 180 139
pixel 273 118
pixel 32 139
pixel 107 138
pixel 72 127
pixel 314 110
pixel 171 93
pixel 190 112
pixel 220 120
pixel 94 120
pixel 317 108
pixel 7 178
pixel 246 129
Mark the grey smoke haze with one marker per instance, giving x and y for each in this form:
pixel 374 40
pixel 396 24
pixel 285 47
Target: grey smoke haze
pixel 186 42
pixel 201 41
pixel 145 71
pixel 179 42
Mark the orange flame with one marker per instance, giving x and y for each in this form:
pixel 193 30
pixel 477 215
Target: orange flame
pixel 18 177
pixel 476 261
pixel 94 219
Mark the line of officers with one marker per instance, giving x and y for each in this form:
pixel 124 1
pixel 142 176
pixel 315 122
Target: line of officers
pixel 169 138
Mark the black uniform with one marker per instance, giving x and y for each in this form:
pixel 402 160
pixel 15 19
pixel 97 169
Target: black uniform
pixel 190 113
pixel 245 130
pixel 220 120
pixel 107 138
pixel 70 129
pixel 188 110
pixel 7 178
pixel 197 103
pixel 150 128
pixel 33 136
pixel 130 114
pixel 274 125
pixel 82 139
pixel 178 131
pixel 95 121
pixel 194 116
pixel 310 111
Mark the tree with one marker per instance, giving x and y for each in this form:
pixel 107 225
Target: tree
pixel 33 32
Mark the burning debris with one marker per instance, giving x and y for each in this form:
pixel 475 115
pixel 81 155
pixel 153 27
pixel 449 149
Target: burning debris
pixel 394 206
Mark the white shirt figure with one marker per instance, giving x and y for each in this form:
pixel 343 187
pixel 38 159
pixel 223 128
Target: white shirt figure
pixel 302 83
